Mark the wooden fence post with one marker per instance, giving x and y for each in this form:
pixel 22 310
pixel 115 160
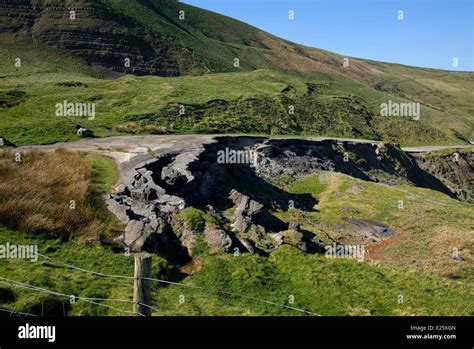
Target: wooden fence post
pixel 141 287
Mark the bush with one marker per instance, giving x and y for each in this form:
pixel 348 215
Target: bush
pixel 133 127
pixel 130 127
pixel 154 129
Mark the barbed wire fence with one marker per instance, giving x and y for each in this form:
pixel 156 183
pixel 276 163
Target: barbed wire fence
pixel 135 302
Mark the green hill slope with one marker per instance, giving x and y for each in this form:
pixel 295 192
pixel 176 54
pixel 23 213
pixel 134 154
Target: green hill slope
pixel 84 60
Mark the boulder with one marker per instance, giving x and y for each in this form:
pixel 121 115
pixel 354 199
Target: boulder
pixel 245 209
pixel 84 133
pixel 370 230
pixel 252 215
pixel 173 177
pixel 218 240
pixel 5 143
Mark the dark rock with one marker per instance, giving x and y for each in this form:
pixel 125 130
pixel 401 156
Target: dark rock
pixel 370 230
pixel 84 133
pixel 172 177
pixel 6 143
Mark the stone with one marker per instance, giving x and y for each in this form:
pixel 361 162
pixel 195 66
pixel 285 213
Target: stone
pixel 5 143
pixel 371 230
pixel 218 240
pixel 248 246
pixel 245 208
pixel 84 133
pixel 173 177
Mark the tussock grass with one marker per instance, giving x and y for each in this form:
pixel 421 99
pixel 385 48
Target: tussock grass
pixel 47 193
pixel 134 128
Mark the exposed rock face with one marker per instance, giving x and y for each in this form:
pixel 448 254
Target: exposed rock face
pixel 238 198
pixel 249 213
pixel 145 208
pixel 455 170
pixel 99 36
pixel 219 241
pixel 375 162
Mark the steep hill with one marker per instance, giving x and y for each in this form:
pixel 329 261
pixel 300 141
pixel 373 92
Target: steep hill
pixel 156 38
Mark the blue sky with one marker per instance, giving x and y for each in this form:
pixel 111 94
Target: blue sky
pixel 432 33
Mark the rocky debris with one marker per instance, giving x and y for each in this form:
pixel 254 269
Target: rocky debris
pixel 247 245
pixel 250 214
pixel 235 201
pixel 145 208
pixel 154 235
pixel 149 199
pixel 218 240
pixel 185 234
pixel 138 232
pixel 376 162
pixel 172 177
pixel 215 213
pixel 274 161
pixel 245 209
pixel 84 132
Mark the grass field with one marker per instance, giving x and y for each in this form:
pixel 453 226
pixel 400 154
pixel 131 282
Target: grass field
pixel 325 286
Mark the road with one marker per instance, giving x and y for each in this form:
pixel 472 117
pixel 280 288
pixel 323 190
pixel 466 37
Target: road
pixel 130 150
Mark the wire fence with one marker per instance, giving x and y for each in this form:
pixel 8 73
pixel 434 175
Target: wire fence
pixel 161 281
pixel 17 313
pixel 17 284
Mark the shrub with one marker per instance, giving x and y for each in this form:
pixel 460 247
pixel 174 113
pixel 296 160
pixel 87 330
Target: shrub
pixel 154 129
pixel 130 127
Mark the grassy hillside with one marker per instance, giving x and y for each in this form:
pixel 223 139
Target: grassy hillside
pixel 245 102
pixel 430 225
pixel 79 60
pixel 320 285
